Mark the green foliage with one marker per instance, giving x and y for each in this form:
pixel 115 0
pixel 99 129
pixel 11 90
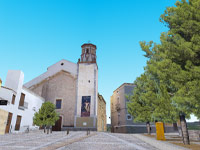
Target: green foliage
pixel 151 101
pixel 171 83
pixel 46 115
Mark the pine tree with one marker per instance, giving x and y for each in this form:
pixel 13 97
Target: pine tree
pixel 174 65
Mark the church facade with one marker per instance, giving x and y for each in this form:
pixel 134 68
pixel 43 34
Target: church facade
pixel 73 88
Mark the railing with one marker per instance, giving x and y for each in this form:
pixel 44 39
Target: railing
pixel 24 107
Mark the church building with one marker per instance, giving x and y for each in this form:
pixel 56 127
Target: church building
pixel 73 88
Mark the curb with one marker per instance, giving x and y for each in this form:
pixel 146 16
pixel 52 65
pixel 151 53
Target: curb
pixel 161 145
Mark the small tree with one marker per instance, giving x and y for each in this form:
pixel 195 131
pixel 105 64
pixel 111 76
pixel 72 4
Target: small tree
pixel 47 116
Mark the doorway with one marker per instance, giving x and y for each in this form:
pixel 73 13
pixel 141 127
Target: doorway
pixel 18 122
pixel 58 125
pixel 8 122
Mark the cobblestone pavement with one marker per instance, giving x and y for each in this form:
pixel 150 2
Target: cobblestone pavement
pixel 108 141
pixel 73 141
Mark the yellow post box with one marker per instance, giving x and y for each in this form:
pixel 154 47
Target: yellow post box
pixel 160 131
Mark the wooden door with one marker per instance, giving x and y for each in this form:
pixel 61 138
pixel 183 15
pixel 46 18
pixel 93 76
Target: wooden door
pixel 8 122
pixel 58 125
pixel 18 122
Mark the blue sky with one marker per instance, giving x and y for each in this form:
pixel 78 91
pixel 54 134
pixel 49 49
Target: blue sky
pixel 35 34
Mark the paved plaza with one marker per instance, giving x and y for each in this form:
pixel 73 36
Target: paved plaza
pixel 80 141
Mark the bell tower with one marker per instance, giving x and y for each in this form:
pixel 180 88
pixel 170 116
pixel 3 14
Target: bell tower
pixel 88 53
pixel 87 89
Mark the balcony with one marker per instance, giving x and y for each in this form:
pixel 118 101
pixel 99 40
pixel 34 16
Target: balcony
pixel 25 106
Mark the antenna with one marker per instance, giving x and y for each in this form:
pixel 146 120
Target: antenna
pixel 89 42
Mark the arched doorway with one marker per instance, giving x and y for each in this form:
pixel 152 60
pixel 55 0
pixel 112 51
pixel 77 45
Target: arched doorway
pixel 58 125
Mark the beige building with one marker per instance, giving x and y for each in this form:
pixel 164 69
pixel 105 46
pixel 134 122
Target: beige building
pixel 101 117
pixel 60 89
pixel 3 116
pixel 73 88
pixel 121 120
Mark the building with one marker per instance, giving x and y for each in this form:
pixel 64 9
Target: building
pixel 73 88
pixel 101 117
pixel 121 120
pixel 21 104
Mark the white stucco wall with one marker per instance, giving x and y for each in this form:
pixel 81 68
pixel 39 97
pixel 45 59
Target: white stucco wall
pixel 87 72
pixel 14 80
pixel 34 103
pixel 6 94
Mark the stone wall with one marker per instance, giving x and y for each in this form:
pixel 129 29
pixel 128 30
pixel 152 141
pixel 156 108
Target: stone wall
pixel 87 86
pixel 118 103
pixel 60 86
pixel 101 115
pixel 194 135
pixel 3 121
pixel 141 129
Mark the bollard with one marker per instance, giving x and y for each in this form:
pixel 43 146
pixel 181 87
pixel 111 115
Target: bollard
pixel 27 130
pixel 67 131
pixel 51 129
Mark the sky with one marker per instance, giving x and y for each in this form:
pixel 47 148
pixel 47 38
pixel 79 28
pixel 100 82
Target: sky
pixel 34 34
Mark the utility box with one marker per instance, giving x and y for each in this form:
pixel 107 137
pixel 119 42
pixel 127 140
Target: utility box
pixel 160 131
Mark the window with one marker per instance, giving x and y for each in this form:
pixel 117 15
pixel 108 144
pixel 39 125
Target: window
pixel 118 100
pixel 13 99
pixel 128 117
pixel 21 102
pixel 127 99
pixel 58 103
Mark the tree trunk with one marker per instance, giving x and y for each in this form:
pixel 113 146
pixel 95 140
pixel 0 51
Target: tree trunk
pixel 44 129
pixel 184 130
pixel 148 127
pixel 164 127
pixel 47 129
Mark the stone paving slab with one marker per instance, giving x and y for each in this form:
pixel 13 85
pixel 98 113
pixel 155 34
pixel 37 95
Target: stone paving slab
pixel 110 142
pixel 78 140
pixel 35 140
pixel 162 145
